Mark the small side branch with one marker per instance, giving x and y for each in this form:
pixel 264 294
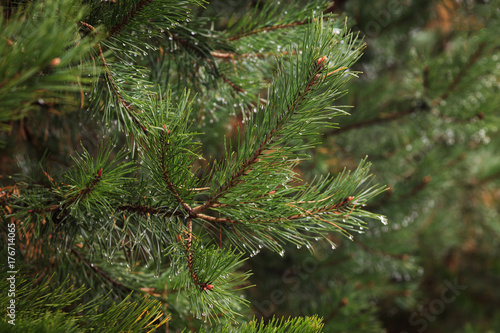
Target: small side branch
pixel 88 188
pixel 189 252
pixel 233 56
pixel 370 122
pixel 190 257
pixel 473 59
pixel 127 18
pixel 275 27
pixel 166 175
pixel 114 87
pixel 100 272
pixel 367 249
pixel 79 196
pixel 343 302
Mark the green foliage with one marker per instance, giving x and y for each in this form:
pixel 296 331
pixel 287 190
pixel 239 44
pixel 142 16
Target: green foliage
pixel 36 70
pixel 275 325
pixel 46 308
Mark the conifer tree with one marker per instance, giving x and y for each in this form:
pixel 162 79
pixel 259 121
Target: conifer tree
pixel 156 149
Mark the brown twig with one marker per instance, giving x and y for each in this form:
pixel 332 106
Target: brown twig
pixel 381 119
pixel 100 271
pixel 79 196
pixel 366 248
pixel 126 19
pixel 233 56
pixel 396 115
pixel 189 251
pixel 473 59
pixel 166 174
pixel 343 302
pixel 88 188
pixel 271 28
pixel 114 87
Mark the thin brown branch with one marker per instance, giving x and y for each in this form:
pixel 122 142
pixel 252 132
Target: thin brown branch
pixel 189 251
pixel 233 56
pixel 473 59
pixel 275 27
pixel 192 271
pixel 127 18
pixel 334 209
pixel 367 249
pixel 214 219
pixel 331 223
pixel 232 84
pixel 114 87
pixel 166 175
pixel 143 209
pixel 100 272
pixel 343 302
pixel 382 119
pixel 79 196
pixel 396 115
pixel 88 188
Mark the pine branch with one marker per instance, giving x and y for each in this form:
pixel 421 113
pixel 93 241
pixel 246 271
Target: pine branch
pixel 234 179
pixel 335 209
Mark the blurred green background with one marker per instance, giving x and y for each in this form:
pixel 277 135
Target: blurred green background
pixel 425 110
